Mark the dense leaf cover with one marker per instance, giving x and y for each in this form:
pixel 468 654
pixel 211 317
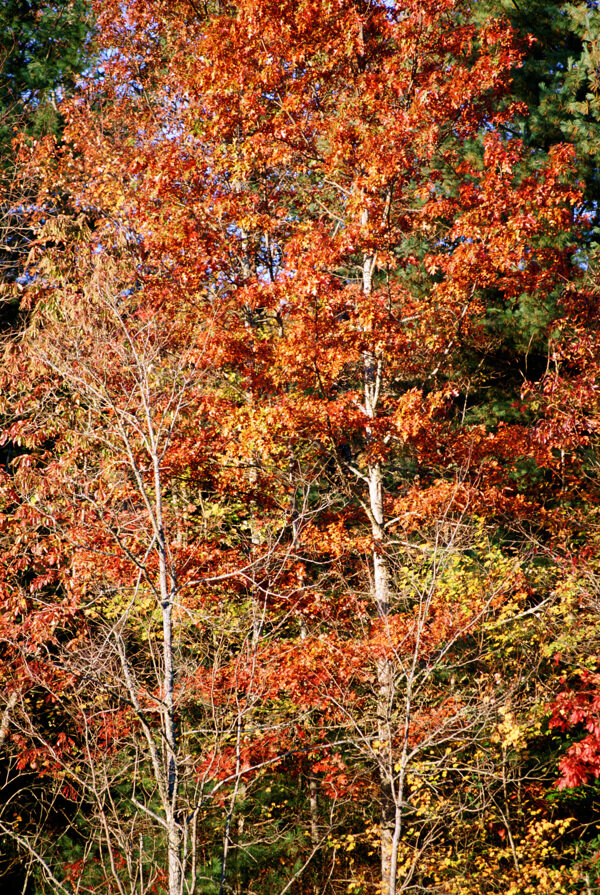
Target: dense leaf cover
pixel 299 486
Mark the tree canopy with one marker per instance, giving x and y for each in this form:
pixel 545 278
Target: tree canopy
pixel 299 453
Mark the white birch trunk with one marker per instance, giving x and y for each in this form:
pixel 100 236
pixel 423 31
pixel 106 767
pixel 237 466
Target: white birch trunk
pixel 167 596
pixel 390 814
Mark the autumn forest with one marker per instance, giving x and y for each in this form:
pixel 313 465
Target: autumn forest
pixel 300 447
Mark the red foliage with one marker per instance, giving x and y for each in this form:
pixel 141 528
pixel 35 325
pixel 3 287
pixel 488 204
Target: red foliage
pixel 575 711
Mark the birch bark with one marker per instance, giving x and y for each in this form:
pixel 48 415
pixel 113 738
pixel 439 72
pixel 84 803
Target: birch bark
pixel 390 813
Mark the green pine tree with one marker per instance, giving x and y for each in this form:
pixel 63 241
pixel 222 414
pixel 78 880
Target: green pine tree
pixel 560 82
pixel 42 49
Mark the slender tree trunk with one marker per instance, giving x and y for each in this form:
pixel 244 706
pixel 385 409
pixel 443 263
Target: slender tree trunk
pixel 174 839
pixel 385 692
pixel 168 589
pixel 373 368
pixel 313 797
pixel 11 703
